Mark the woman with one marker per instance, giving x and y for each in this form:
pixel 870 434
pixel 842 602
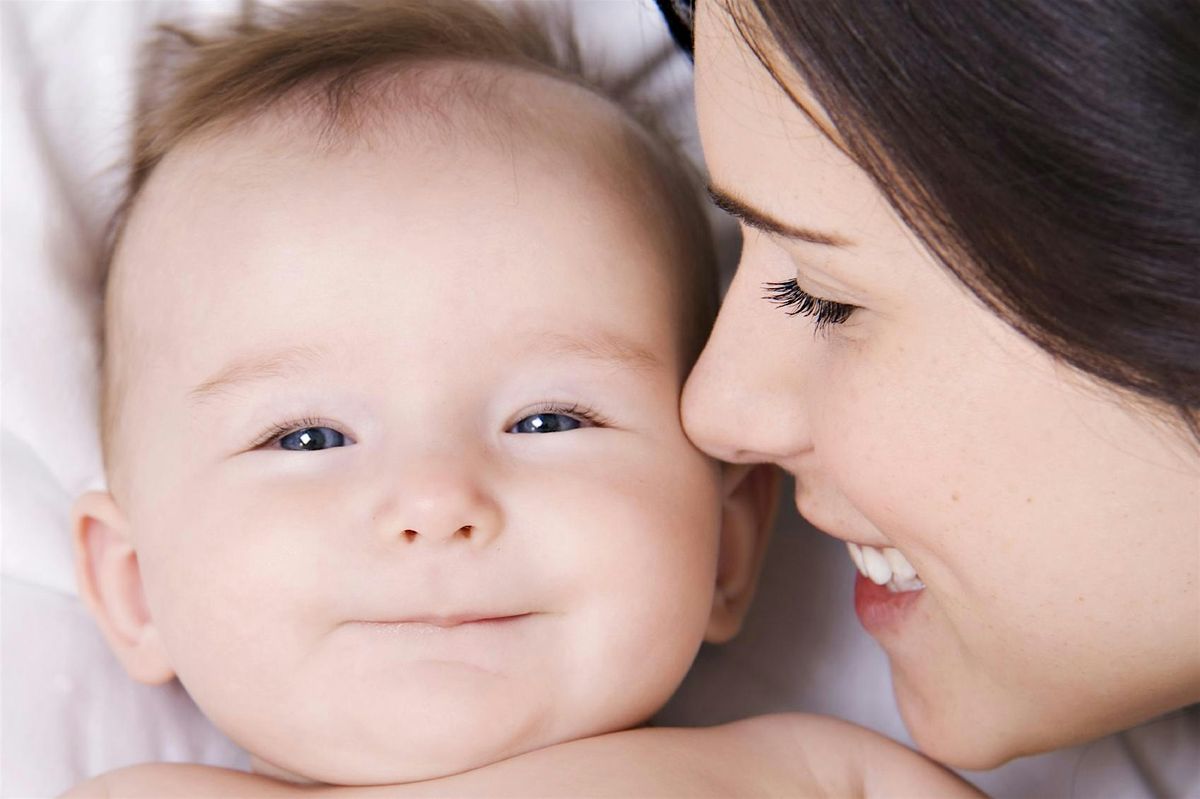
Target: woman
pixel 967 319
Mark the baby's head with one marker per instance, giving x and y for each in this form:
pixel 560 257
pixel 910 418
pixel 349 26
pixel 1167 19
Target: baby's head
pixel 396 328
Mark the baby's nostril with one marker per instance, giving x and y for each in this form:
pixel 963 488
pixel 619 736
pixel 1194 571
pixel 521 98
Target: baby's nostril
pixel 466 531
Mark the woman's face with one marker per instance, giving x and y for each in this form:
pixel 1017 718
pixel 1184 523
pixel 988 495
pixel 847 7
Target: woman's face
pixel 1054 526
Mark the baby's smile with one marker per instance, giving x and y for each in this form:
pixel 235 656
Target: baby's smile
pixel 492 643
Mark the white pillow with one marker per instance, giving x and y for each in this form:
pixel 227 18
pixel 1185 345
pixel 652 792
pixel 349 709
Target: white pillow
pixel 68 710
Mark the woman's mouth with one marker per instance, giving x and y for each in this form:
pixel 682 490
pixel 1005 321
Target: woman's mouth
pixel 886 587
pixel 886 567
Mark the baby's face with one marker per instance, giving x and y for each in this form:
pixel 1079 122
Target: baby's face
pixel 405 470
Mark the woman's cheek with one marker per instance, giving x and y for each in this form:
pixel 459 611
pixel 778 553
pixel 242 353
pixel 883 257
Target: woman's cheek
pixel 903 447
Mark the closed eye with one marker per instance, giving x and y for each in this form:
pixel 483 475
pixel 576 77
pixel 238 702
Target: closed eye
pixel 795 301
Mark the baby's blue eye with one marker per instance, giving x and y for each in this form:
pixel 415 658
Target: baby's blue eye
pixel 546 423
pixel 312 438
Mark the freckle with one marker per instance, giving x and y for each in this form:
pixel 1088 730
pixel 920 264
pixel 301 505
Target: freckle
pixel 954 497
pixel 1028 500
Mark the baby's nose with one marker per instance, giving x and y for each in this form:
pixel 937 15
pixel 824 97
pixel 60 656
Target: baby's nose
pixel 439 532
pixel 439 507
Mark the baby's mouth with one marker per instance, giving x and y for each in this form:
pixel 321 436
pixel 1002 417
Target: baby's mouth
pixel 448 621
pixel 887 567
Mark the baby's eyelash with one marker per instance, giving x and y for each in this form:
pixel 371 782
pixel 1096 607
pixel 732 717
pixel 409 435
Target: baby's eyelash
pixel 795 301
pixel 570 409
pixel 278 431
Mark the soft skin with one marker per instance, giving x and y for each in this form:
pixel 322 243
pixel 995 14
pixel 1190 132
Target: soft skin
pixel 420 291
pixel 1055 523
pixel 785 755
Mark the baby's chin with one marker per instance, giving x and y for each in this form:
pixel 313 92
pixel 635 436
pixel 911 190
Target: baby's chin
pixel 356 770
pixel 265 769
pixel 380 772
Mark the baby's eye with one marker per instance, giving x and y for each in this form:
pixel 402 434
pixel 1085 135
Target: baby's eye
pixel 312 438
pixel 546 423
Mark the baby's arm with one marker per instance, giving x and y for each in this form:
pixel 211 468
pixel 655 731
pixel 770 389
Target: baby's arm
pixel 786 755
pixel 180 780
pixel 844 759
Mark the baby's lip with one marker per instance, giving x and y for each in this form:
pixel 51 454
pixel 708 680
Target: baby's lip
pixel 445 620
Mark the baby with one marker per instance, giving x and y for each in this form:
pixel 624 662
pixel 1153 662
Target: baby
pixel 395 329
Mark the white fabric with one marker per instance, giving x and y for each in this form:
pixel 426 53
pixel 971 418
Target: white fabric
pixel 68 710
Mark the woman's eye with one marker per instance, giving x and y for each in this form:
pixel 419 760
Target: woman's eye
pixel 546 423
pixel 312 438
pixel 796 301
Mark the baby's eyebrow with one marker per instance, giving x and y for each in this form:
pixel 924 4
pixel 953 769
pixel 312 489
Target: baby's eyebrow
pixel 600 345
pixel 260 366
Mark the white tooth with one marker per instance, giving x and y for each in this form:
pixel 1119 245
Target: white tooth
pixel 901 568
pixel 856 556
pixel 877 568
pixel 898 585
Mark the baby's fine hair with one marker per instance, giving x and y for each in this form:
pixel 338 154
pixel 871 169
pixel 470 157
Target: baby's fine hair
pixel 334 62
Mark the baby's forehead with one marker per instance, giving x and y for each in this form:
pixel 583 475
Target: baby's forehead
pixel 445 110
pixel 229 213
pixel 441 108
pixel 436 105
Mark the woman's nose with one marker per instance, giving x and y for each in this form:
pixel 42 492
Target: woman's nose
pixel 440 504
pixel 744 401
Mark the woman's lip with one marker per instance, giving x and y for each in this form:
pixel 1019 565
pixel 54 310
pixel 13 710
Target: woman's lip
pixel 880 609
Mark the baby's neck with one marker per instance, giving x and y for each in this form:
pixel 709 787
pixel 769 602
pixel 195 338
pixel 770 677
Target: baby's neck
pixel 265 769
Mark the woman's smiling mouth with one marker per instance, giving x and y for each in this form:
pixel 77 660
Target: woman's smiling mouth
pixel 887 567
pixel 886 585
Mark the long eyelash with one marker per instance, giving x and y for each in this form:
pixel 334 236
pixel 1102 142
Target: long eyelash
pixel 795 301
pixel 278 431
pixel 572 409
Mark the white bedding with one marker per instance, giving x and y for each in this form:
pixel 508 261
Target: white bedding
pixel 68 710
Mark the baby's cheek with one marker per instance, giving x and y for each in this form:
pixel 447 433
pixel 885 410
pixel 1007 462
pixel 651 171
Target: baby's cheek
pixel 673 541
pixel 216 570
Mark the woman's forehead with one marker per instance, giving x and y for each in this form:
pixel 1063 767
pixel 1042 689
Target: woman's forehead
pixel 774 163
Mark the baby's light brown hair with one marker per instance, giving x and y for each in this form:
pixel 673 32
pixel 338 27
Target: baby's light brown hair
pixel 335 64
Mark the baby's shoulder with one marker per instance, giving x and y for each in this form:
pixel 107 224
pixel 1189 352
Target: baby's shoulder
pixel 831 757
pixel 179 780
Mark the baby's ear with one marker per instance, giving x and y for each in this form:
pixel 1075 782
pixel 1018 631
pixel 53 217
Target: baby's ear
pixel 110 584
pixel 750 494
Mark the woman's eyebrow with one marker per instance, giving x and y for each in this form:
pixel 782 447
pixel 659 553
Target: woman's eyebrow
pixel 262 366
pixel 761 220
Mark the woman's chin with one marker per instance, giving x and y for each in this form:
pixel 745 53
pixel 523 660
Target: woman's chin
pixel 971 734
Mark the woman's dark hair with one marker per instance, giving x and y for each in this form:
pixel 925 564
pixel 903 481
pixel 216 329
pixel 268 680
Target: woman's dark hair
pixel 1047 151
